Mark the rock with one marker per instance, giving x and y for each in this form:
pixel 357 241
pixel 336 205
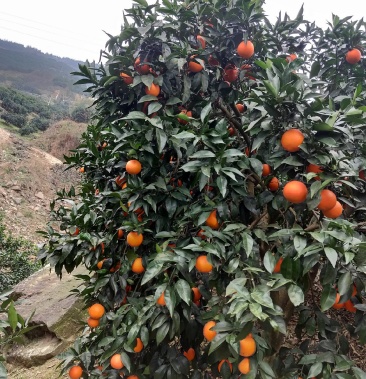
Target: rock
pixel 2 192
pixel 17 200
pixel 57 314
pixel 39 195
pixel 16 188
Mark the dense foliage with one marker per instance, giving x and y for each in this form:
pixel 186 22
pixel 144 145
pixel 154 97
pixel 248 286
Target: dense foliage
pixel 225 239
pixel 18 259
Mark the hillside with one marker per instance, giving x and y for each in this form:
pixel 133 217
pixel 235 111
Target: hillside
pixel 30 178
pixel 30 70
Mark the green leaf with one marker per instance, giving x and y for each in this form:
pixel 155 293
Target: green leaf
pixel 162 332
pixel 184 291
pixel 216 343
pixel 344 283
pixel 184 135
pixel 153 269
pixel 170 299
pixel 269 261
pixel 173 101
pixel 154 107
pixel 206 111
pixel 270 88
pixel 267 368
pixel 331 255
pixel 296 295
pixel 299 243
pixel 248 243
pixel 315 369
pixel 161 138
pixel 147 80
pixel 328 297
pixel 290 268
pixel 12 316
pixel 135 115
pixel 126 360
pixel 222 185
pixel 322 126
pixel 203 154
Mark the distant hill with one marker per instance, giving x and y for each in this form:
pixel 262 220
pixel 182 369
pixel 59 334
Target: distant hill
pixel 28 69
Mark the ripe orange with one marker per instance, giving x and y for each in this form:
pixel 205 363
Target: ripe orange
pixel 196 294
pixel 133 167
pixel 247 346
pixel 337 304
pixel 231 73
pixel 266 169
pixel 100 264
pixel 139 345
pixel 142 69
pixel 240 107
pixel 277 268
pixel 212 221
pixel 134 239
pixel 126 78
pixel 362 175
pixel 295 191
pixel 120 233
pixel 153 90
pixel 245 49
pixel 350 306
pixel 92 322
pixel 291 58
pixel 292 139
pixel 116 362
pixel 190 354
pixel 244 366
pixel 133 377
pixel 222 362
pixel 315 169
pixel 335 212
pixel 137 266
pixel 353 56
pixel 96 311
pixel 203 265
pixel 201 42
pixel 187 113
pixel 161 300
pixel 81 169
pixel 75 372
pixel 194 66
pixel 208 333
pixel 327 200
pixel 274 184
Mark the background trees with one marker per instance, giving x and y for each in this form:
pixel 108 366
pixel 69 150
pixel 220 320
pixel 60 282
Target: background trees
pixel 222 201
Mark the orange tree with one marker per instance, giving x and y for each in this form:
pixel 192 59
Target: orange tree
pixel 220 217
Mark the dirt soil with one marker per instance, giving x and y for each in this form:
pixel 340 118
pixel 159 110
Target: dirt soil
pixel 29 179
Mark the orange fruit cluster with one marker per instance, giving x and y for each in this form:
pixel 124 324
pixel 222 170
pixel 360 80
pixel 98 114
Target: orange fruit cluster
pixel 96 312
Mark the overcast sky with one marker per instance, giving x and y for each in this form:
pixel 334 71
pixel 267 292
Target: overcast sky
pixel 74 28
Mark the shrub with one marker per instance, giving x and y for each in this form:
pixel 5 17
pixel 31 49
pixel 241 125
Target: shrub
pixel 18 120
pixel 17 257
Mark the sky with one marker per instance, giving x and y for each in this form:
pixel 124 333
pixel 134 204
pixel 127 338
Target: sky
pixel 76 29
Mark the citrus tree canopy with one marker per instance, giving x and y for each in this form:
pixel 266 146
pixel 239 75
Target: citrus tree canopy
pixel 221 215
